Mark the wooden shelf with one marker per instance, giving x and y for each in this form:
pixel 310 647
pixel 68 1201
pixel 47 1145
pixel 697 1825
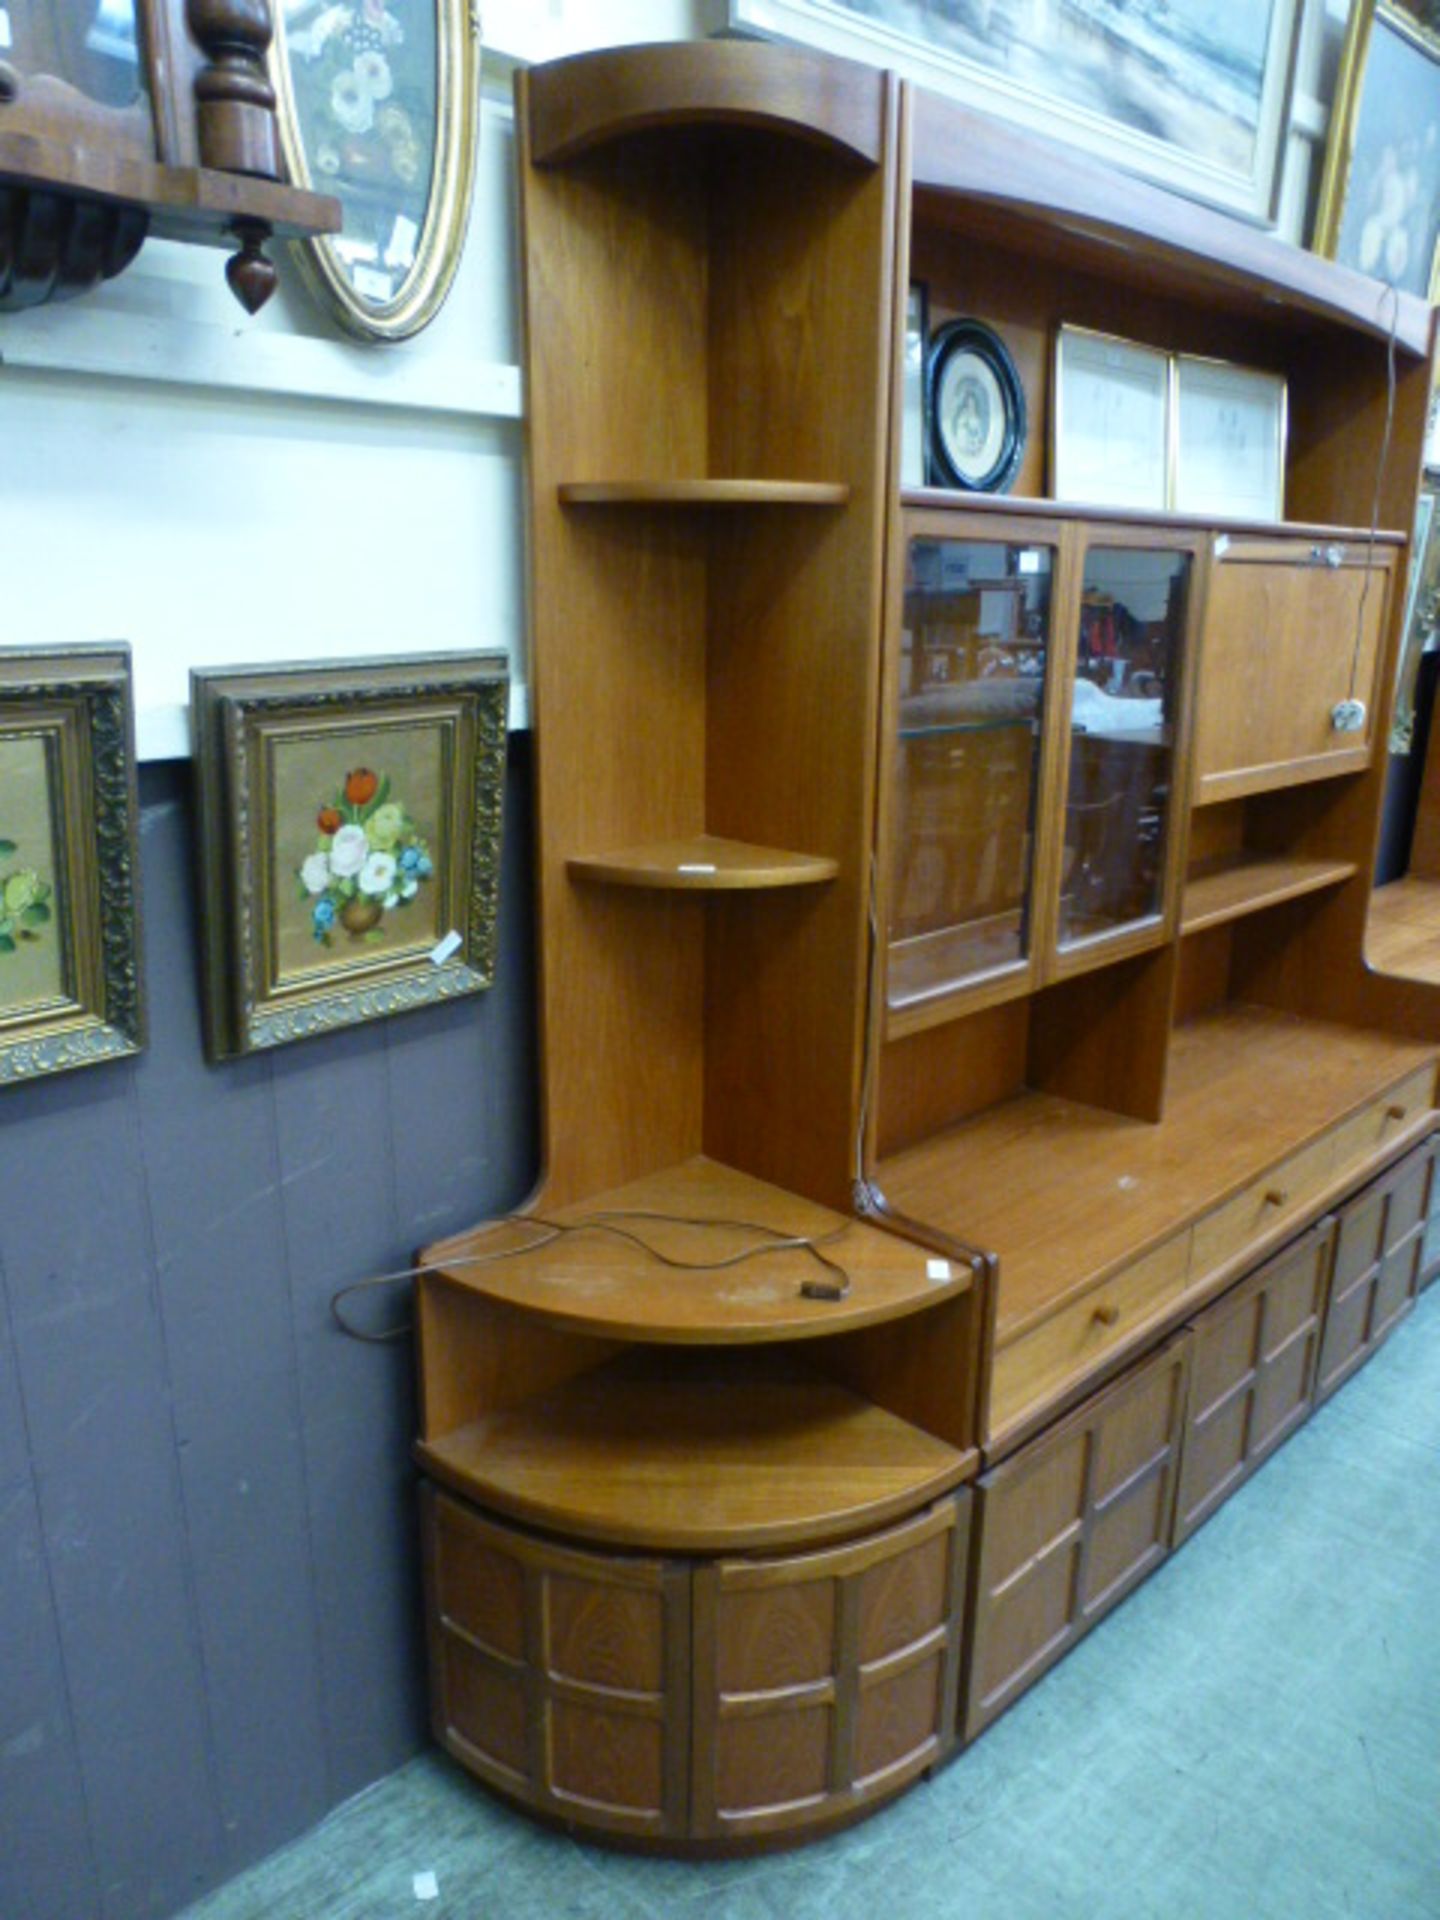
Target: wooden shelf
pixel 697 1453
pixel 1252 883
pixel 1402 935
pixel 1069 1192
pixel 595 1282
pixel 703 493
pixel 704 864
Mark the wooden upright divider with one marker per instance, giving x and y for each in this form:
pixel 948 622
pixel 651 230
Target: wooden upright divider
pixel 957 1040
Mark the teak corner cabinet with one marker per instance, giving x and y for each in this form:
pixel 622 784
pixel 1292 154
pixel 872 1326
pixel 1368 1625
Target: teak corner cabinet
pixel 973 1139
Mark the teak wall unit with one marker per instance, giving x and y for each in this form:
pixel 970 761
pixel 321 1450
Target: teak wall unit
pixel 963 894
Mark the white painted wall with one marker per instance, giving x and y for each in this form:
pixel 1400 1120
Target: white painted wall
pixel 218 490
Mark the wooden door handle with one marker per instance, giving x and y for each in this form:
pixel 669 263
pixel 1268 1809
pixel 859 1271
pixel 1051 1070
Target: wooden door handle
pixel 1277 1197
pixel 1394 1113
pixel 1107 1315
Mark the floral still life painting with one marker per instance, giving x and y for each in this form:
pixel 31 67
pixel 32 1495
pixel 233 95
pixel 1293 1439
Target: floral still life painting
pixel 378 104
pixel 71 993
pixel 350 840
pixel 369 859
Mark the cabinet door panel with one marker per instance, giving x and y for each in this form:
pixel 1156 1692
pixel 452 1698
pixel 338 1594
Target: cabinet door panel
pixel 1068 1526
pixel 560 1677
pixel 827 1679
pixel 1252 1374
pixel 1377 1265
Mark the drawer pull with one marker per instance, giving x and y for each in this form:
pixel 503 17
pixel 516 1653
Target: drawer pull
pixel 1107 1315
pixel 1395 1112
pixel 1277 1197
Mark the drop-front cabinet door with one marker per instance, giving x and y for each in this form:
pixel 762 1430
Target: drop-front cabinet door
pixel 1291 648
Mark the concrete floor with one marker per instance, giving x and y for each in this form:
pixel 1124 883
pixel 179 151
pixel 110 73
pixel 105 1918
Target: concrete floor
pixel 1254 1735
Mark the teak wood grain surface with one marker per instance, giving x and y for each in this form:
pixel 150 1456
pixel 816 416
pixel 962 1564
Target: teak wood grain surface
pixel 1065 1191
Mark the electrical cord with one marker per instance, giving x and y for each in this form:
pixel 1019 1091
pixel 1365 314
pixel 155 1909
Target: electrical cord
pixel 1390 387
pixel 836 1287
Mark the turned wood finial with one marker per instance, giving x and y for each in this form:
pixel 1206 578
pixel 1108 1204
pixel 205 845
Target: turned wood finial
pixel 251 276
pixel 236 102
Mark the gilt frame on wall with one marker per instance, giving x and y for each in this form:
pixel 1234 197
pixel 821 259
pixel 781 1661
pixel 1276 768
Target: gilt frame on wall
pixel 70 960
pixel 379 104
pixel 1379 206
pixel 349 841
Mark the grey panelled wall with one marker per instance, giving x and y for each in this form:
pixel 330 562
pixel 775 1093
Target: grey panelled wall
pixel 208 1585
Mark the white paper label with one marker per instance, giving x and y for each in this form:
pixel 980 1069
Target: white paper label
pixel 937 1269
pixel 441 952
pixel 1029 560
pixel 401 250
pixel 1222 544
pixel 4 26
pixel 426 1886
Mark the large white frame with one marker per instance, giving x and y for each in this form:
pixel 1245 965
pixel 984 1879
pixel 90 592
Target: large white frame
pixel 883 40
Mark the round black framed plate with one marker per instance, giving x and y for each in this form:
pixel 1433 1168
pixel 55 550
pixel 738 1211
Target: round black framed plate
pixel 975 409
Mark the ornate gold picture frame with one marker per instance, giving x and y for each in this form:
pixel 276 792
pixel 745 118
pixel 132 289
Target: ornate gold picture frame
pixel 70 966
pixel 349 841
pixel 1379 207
pixel 379 105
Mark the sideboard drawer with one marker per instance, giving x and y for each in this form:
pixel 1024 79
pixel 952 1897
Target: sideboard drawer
pixel 1041 1364
pixel 1288 1188
pixel 1366 1132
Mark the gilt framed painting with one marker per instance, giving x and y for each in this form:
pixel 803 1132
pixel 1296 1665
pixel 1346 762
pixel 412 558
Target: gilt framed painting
pixel 349 841
pixel 380 105
pixel 70 961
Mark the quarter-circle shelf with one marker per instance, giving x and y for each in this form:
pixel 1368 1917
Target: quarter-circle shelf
pixel 704 864
pixel 703 493
pixel 686 1456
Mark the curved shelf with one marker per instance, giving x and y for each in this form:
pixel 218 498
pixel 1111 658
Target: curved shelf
pixel 592 1280
pixel 675 1453
pixel 705 864
pixel 1251 884
pixel 703 493
pixel 590 100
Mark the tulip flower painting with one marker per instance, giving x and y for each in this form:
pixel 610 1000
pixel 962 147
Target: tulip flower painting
pixel 368 859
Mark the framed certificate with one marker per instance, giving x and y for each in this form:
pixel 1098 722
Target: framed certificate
pixel 1111 432
pixel 1229 440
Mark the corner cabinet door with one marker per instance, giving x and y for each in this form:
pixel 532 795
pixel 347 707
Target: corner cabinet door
pixel 1378 1256
pixel 1252 1374
pixel 1068 1526
pixel 827 1680
pixel 561 1678
pixel 1292 629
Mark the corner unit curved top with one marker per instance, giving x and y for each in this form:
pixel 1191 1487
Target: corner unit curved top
pixel 594 98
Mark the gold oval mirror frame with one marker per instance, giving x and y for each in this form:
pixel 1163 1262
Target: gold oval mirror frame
pixel 369 90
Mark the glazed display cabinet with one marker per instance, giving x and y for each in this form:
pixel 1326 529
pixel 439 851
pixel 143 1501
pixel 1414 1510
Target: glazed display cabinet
pixel 973 1139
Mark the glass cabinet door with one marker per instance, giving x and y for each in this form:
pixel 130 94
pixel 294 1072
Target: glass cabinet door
pixel 973 655
pixel 89 44
pixel 1118 802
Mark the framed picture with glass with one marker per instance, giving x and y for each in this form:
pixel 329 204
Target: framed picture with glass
pixel 1230 430
pixel 1110 415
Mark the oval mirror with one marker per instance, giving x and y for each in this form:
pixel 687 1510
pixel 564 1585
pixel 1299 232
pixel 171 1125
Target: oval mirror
pixel 378 106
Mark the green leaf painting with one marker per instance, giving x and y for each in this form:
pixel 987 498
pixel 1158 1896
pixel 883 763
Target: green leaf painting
pixel 24 900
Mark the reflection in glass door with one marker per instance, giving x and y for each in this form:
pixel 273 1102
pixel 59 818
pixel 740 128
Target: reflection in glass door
pixel 974 651
pixel 1122 740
